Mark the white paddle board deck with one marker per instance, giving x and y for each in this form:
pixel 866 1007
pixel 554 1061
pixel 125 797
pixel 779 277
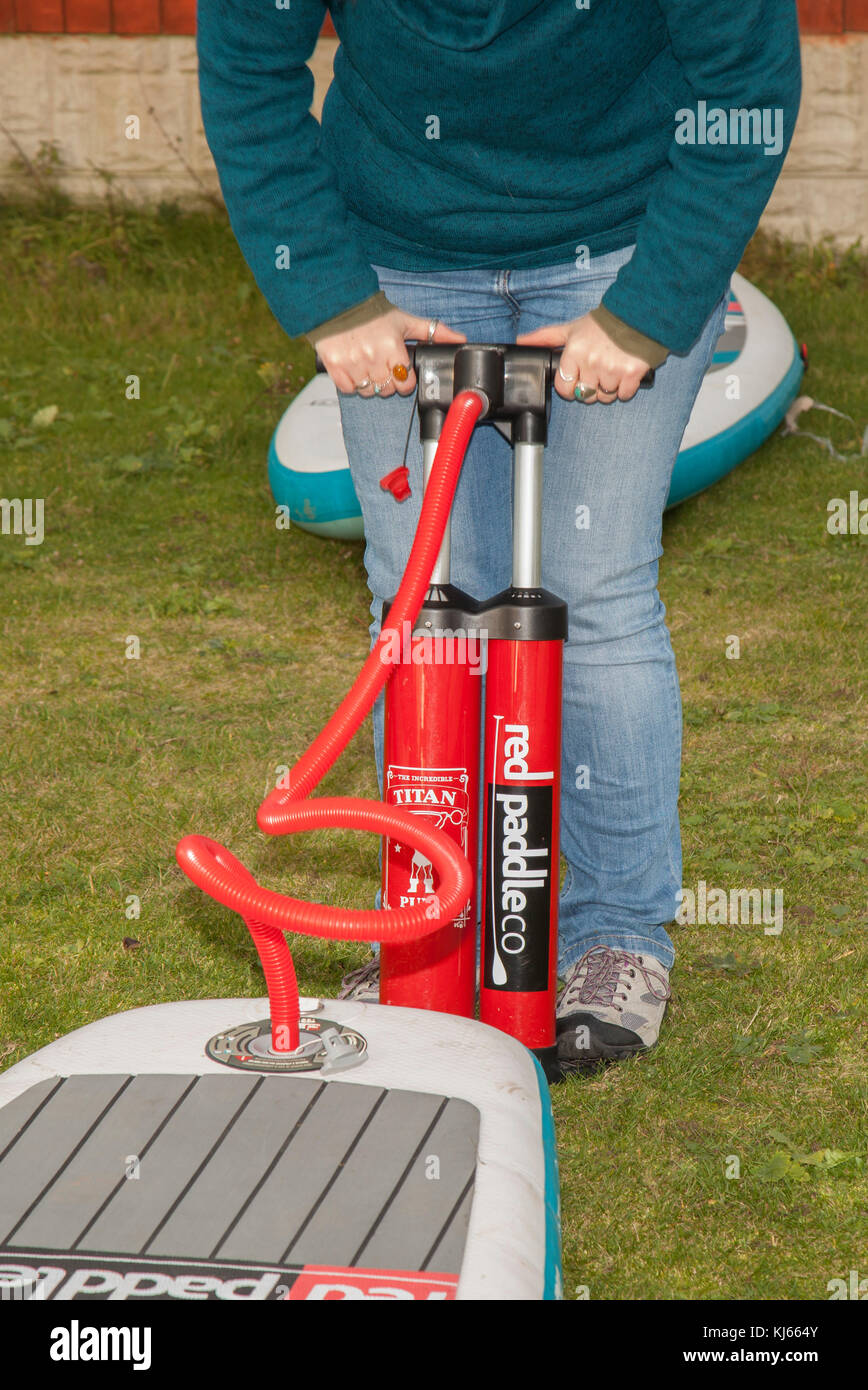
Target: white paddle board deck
pixel 135 1166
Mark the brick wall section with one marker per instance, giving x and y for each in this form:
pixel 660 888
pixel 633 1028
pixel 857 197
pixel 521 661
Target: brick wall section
pixel 135 16
pixel 103 17
pixel 88 17
pixel 821 16
pixel 833 16
pixel 856 16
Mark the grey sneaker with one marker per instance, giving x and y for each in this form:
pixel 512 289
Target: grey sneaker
pixel 362 985
pixel 601 1013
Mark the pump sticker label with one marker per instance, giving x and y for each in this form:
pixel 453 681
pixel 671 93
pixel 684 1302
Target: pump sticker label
pixel 518 892
pixel 518 903
pixel 440 794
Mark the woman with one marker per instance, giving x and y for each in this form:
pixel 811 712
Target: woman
pixel 583 175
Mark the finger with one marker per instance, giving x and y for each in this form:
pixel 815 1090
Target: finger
pixel 341 378
pixel 415 327
pixel 382 378
pixel 589 377
pixel 567 375
pixel 567 389
pixel 576 365
pixel 444 334
pixel 607 389
pixel 367 363
pixel 359 372
pixel 605 397
pixel 629 385
pixel 400 357
pixel 608 383
pixel 551 335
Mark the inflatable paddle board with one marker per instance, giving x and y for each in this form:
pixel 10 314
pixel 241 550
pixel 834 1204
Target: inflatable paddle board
pixel 752 381
pixel 157 1155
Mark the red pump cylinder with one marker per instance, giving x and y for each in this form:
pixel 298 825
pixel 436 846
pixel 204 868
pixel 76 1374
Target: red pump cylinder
pixel 521 859
pixel 431 769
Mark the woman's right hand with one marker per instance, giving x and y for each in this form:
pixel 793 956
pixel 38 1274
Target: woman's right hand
pixel 367 354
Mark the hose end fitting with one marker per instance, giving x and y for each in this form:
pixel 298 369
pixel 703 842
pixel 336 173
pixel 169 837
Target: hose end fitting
pixel 480 368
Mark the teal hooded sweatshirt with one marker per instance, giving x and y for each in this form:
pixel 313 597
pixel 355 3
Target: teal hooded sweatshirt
pixel 500 134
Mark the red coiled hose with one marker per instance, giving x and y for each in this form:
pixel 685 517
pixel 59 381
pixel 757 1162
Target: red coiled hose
pixel 285 812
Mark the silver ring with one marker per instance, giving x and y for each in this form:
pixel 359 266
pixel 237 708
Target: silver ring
pixel 380 386
pixel 360 386
pixel 585 393
pixel 432 329
pixel 563 376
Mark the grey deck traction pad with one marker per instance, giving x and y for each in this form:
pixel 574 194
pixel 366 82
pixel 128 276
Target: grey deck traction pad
pixel 236 1173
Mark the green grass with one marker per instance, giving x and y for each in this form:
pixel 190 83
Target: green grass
pixel 159 525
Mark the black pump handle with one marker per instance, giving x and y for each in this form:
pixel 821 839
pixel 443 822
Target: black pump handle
pixel 555 358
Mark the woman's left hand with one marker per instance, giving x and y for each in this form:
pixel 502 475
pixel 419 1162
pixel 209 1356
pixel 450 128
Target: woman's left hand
pixel 589 356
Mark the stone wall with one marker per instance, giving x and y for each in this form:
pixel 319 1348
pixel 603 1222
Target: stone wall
pixel 78 91
pixel 823 189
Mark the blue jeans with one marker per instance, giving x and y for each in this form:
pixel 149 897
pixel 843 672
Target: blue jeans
pixel 622 706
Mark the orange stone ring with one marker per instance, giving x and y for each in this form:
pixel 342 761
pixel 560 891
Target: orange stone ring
pixel 400 372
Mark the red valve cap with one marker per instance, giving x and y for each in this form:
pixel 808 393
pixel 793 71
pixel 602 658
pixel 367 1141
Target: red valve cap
pixel 397 482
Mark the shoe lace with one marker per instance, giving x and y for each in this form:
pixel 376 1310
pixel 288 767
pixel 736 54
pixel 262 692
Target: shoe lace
pixel 601 970
pixel 367 974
